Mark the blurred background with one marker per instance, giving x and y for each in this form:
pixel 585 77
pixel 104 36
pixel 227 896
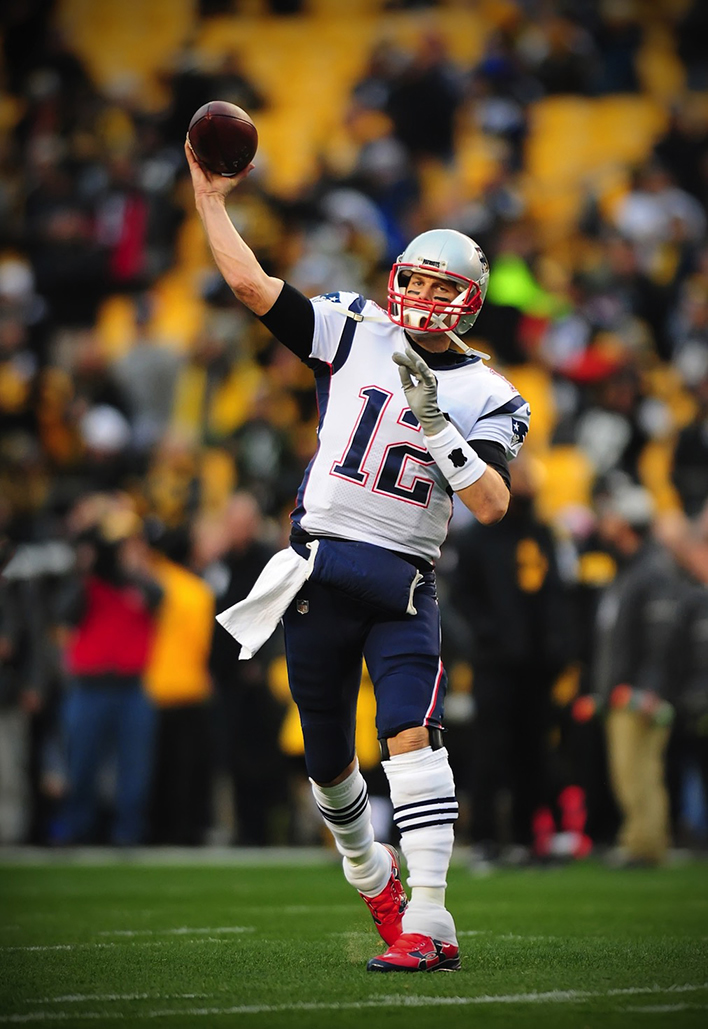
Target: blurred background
pixel 153 434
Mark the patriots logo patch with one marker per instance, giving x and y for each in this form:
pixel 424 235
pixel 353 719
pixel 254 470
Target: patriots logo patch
pixel 457 457
pixel 519 430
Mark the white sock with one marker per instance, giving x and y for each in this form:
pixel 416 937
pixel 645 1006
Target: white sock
pixel 347 814
pixel 424 810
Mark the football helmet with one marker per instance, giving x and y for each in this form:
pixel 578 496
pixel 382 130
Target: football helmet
pixel 445 254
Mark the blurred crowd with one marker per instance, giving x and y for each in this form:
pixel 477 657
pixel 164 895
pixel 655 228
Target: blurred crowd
pixel 144 484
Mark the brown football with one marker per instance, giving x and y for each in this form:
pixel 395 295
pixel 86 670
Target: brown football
pixel 223 137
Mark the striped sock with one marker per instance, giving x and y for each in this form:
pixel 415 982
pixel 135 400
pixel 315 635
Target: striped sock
pixel 424 811
pixel 347 814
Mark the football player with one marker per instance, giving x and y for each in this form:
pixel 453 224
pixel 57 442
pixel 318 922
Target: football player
pixel 409 417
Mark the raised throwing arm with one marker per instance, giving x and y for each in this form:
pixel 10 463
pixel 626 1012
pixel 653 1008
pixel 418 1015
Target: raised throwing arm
pixel 235 260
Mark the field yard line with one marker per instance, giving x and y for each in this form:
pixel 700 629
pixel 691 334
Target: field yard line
pixel 81 998
pixel 104 946
pixel 181 931
pixel 662 1009
pixel 551 997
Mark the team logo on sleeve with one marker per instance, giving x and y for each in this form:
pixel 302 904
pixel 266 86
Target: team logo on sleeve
pixel 519 430
pixel 335 298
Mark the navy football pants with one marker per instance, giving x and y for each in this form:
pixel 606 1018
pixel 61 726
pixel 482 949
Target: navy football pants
pixel 324 649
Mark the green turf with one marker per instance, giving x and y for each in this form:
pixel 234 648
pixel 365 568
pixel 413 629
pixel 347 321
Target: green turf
pixel 262 945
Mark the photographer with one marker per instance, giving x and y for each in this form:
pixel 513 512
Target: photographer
pixel 107 613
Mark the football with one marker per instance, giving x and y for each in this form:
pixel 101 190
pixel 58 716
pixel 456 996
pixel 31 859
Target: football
pixel 223 137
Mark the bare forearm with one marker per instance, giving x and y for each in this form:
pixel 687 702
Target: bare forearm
pixel 487 498
pixel 235 259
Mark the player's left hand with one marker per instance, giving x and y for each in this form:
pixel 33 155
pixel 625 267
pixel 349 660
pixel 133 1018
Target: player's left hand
pixel 422 396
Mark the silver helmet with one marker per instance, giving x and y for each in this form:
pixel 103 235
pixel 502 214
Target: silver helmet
pixel 445 254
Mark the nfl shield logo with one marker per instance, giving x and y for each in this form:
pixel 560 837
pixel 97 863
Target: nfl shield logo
pixel 303 606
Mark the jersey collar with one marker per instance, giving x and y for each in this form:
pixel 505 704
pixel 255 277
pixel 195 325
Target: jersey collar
pixel 445 359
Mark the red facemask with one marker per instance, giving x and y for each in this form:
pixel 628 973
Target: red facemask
pixel 419 315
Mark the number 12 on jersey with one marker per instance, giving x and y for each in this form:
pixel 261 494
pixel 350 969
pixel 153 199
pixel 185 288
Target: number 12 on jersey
pixel 388 479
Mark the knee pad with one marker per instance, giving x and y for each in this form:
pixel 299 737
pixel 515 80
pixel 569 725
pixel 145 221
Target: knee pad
pixel 435 735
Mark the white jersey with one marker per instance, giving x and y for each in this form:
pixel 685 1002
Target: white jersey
pixel 371 478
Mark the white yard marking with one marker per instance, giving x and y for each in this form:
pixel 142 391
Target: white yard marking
pixel 105 946
pixel 551 997
pixel 306 909
pixel 662 1009
pixel 82 998
pixel 181 931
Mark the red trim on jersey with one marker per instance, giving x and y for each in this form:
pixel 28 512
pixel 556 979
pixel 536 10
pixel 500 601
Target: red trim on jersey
pixel 436 690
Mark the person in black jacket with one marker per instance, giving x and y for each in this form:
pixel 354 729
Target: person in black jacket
pixel 508 588
pixel 248 715
pixel 686 668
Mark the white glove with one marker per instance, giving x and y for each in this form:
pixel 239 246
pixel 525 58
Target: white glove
pixel 422 396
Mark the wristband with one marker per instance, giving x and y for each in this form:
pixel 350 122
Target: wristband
pixel 455 458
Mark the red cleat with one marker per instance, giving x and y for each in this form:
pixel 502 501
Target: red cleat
pixel 413 952
pixel 388 906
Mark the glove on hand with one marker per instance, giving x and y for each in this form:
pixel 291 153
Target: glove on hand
pixel 422 396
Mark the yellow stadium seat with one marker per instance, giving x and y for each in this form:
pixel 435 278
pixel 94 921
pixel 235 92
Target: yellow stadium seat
pixel 655 465
pixel 178 310
pixel 659 67
pixel 566 480
pixel 534 384
pixel 578 145
pixel 127 42
pixel 218 479
pixel 116 328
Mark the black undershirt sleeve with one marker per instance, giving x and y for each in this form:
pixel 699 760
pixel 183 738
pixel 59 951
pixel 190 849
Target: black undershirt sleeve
pixel 493 454
pixel 291 319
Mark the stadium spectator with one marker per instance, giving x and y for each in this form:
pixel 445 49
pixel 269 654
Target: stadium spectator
pixel 634 621
pixel 508 589
pixel 178 682
pixel 231 554
pixel 424 99
pixel 686 672
pixel 690 458
pixel 333 619
pixel 107 613
pixel 15 805
pixel 567 64
pixel 147 376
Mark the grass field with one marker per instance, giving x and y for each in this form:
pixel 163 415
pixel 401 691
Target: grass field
pixel 267 942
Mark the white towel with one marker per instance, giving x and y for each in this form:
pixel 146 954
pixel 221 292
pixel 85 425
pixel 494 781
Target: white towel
pixel 253 620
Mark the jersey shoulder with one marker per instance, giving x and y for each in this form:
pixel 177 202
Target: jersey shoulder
pixel 504 414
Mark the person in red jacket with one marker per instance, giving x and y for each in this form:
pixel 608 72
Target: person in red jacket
pixel 107 612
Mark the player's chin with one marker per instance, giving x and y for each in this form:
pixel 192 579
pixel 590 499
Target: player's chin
pixel 435 342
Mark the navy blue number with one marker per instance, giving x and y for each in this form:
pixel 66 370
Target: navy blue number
pixel 387 480
pixel 350 466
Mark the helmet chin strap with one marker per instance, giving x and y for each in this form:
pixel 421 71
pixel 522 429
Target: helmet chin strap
pixel 467 349
pixel 470 351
